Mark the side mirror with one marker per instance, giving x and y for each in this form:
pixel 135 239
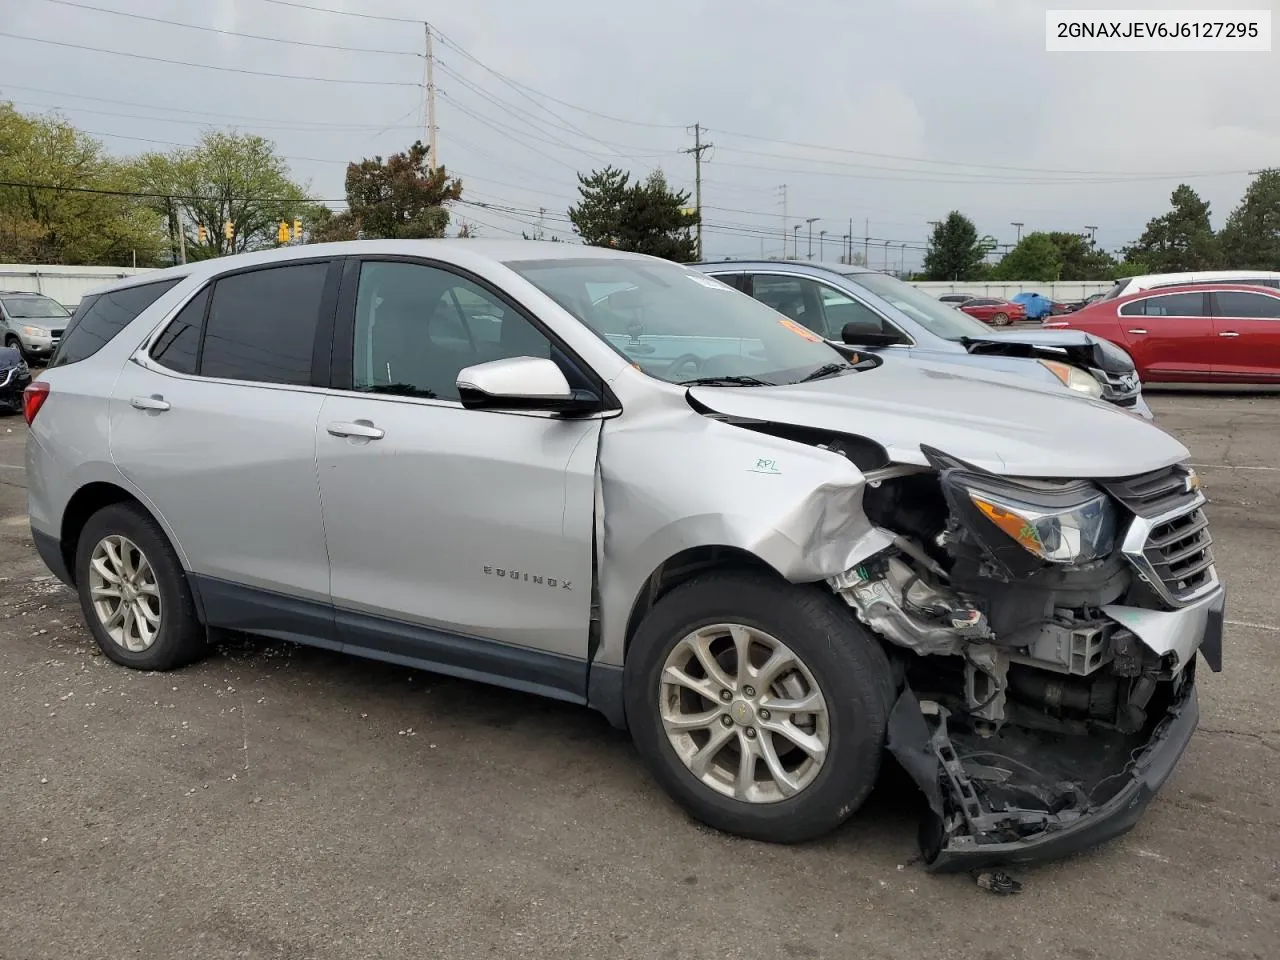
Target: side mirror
pixel 855 337
pixel 521 383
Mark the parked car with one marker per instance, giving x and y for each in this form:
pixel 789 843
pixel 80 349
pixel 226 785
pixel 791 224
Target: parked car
pixel 1202 333
pixel 1130 285
pixel 882 314
pixel 994 310
pixel 31 323
pixel 1037 305
pixel 764 560
pixel 14 377
pixel 955 299
pixel 1071 306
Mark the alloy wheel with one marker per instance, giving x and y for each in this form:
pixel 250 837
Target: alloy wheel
pixel 744 713
pixel 124 593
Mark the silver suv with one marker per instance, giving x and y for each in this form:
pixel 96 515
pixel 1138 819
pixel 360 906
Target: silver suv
pixel 616 481
pixel 31 323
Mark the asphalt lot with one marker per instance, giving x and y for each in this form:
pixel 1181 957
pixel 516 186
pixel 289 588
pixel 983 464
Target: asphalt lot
pixel 277 802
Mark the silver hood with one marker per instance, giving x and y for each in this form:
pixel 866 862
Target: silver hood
pixel 1001 423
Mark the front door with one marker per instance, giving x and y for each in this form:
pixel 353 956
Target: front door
pixel 1247 333
pixel 1170 336
pixel 458 539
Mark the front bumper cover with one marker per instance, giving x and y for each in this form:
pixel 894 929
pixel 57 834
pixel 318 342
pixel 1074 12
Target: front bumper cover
pixel 926 754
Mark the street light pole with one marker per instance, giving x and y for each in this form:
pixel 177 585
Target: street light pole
pixel 902 261
pixel 795 242
pixel 822 236
pixel 1015 223
pixel 1093 230
pixel 845 243
pixel 811 221
pixel 886 255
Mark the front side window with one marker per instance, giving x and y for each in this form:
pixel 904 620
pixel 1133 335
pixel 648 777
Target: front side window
pixel 1232 303
pixel 824 309
pixel 677 324
pixel 262 325
pixel 418 326
pixel 99 318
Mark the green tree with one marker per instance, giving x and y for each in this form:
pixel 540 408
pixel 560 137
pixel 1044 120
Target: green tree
pixel 647 217
pixel 1181 239
pixel 1036 257
pixel 72 207
pixel 1251 236
pixel 226 177
pixel 1081 258
pixel 955 252
pixel 402 198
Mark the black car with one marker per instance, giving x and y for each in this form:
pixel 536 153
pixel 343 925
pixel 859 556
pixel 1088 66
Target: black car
pixel 14 377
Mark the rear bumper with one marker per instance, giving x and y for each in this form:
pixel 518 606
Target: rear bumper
pixel 50 550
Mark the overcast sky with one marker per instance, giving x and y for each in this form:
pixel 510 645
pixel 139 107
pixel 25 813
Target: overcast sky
pixel 924 106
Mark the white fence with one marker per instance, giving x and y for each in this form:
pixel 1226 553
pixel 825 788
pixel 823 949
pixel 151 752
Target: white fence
pixel 64 284
pixel 1061 290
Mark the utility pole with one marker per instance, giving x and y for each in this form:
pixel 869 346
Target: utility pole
pixel 795 241
pixel 810 221
pixel 822 236
pixel 783 189
pixel 866 243
pixel 182 240
pixel 431 101
pixel 1092 232
pixel 849 241
pixel 844 249
pixel 902 262
pixel 1015 223
pixel 697 150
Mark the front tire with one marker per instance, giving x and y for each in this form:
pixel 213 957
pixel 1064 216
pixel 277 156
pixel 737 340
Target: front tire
pixel 134 592
pixel 759 705
pixel 16 344
pixel 1000 320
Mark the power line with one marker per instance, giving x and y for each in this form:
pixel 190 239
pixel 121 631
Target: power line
pixel 209 66
pixel 234 33
pixel 341 13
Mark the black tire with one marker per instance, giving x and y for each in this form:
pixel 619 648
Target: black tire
pixel 1000 320
pixel 16 344
pixel 181 638
pixel 846 661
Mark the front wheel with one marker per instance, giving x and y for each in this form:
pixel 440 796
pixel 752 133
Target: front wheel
pixel 759 705
pixel 16 344
pixel 1000 320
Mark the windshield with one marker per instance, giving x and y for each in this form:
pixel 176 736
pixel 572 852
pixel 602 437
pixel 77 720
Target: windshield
pixel 936 317
pixel 34 308
pixel 680 325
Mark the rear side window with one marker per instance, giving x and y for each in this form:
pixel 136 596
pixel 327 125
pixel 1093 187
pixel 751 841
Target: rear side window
pixel 1169 305
pixel 99 318
pixel 262 325
pixel 1233 303
pixel 178 346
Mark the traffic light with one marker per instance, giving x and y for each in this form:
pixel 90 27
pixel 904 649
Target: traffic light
pixel 229 230
pixel 297 229
pixel 203 233
pixel 282 235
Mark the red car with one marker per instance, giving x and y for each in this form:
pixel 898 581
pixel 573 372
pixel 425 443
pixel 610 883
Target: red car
pixel 994 311
pixel 1211 333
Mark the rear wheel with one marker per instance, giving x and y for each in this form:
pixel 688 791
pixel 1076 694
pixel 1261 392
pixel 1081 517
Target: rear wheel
pixel 134 593
pixel 1000 320
pixel 759 705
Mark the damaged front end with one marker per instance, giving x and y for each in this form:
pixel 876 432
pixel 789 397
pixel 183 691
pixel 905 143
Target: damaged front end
pixel 1047 632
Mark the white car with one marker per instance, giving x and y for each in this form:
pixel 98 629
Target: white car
pixel 1127 285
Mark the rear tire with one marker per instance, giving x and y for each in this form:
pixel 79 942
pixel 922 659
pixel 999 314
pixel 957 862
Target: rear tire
pixel 728 790
pixel 134 592
pixel 1000 320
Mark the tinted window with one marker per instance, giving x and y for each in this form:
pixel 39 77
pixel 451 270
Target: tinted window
pixel 1234 304
pixel 98 319
pixel 736 280
pixel 1169 305
pixel 176 346
pixel 262 325
pixel 417 327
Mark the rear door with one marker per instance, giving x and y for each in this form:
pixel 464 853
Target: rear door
pixel 215 423
pixel 1247 331
pixel 1170 336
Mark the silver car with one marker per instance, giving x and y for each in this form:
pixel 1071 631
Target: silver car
pixel 31 323
pixel 768 560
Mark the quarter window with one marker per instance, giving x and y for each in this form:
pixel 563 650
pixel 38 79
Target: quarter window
pixel 417 327
pixel 262 325
pixel 1230 303
pixel 178 345
pixel 98 319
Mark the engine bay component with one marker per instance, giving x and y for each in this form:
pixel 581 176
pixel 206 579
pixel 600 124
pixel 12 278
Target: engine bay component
pixel 1077 648
pixel 902 606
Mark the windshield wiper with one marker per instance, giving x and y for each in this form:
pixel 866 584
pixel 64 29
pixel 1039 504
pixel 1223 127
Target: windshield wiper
pixel 727 381
pixel 826 370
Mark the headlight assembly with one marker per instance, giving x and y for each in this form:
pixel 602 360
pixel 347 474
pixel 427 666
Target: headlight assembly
pixel 1073 378
pixel 35 331
pixel 1057 534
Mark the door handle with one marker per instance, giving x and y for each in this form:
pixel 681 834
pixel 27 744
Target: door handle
pixel 1137 330
pixel 1228 333
pixel 362 429
pixel 153 402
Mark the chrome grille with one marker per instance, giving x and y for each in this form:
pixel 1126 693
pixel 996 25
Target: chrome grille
pixel 1155 493
pixel 1180 553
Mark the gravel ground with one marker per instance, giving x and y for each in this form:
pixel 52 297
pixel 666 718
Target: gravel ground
pixel 276 802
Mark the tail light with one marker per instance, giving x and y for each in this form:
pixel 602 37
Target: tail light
pixel 33 399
